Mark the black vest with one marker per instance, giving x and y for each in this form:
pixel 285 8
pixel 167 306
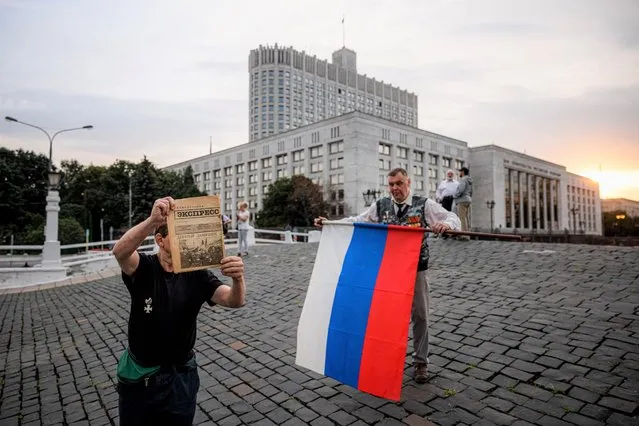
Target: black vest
pixel 415 216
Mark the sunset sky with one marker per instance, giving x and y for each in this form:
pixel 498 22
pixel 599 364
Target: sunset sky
pixel 556 79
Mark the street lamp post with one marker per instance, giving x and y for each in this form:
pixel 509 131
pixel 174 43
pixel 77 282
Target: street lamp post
pixel 574 211
pixel 491 205
pixel 370 195
pixel 51 249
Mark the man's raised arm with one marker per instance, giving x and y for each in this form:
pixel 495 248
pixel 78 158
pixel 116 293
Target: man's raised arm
pixel 125 249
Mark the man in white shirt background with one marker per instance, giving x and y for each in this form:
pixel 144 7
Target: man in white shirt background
pixel 446 191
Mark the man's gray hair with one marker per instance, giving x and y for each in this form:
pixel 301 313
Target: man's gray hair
pixel 398 170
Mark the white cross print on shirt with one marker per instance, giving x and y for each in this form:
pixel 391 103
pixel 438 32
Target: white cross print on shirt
pixel 148 308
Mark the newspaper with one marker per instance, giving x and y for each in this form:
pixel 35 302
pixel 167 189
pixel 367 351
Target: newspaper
pixel 195 231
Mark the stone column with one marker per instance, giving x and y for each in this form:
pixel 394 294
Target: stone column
pixel 521 176
pixel 51 250
pixel 538 221
pixel 544 186
pixel 512 198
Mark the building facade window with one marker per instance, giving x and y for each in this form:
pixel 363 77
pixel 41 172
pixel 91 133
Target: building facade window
pixel 384 149
pixel 335 147
pixel 317 151
pixel 337 163
pixel 282 159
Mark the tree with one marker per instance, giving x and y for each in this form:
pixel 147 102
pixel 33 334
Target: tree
pixel 23 189
pixel 292 201
pixel 306 202
pixel 145 190
pixel 87 194
pixel 70 231
pixel 618 223
pixel 179 185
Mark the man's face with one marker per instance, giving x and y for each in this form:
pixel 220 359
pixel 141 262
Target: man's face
pixel 461 173
pixel 164 243
pixel 398 186
pixel 450 175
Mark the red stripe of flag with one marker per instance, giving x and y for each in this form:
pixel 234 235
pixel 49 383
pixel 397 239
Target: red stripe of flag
pixel 382 365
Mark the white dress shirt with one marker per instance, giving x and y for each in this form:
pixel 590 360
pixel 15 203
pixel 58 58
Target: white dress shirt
pixel 434 213
pixel 446 188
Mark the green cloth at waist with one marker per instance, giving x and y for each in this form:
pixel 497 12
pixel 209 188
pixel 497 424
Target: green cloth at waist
pixel 129 371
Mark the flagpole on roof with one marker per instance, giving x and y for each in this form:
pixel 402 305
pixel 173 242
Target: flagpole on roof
pixel 343 32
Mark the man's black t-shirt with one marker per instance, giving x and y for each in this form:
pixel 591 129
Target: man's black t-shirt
pixel 164 309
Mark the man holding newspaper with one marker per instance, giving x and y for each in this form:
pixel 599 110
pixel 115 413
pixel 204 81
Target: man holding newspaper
pixel 157 374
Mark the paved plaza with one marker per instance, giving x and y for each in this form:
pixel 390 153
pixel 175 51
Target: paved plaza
pixel 521 334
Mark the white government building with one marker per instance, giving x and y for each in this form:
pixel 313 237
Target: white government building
pixel 530 194
pixel 349 148
pixel 290 89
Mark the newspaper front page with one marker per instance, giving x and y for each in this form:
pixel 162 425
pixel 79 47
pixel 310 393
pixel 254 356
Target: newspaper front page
pixel 195 230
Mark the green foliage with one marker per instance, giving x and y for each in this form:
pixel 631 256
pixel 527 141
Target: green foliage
pixel 145 190
pixel 292 201
pixel 70 231
pixel 23 189
pixel 87 193
pixel 33 233
pixel 618 223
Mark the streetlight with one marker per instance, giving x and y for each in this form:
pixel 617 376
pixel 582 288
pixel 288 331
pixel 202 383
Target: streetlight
pixel 51 138
pixel 491 205
pixel 370 195
pixel 574 211
pixel 51 248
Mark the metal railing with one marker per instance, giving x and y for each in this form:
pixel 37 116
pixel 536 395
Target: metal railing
pixel 102 249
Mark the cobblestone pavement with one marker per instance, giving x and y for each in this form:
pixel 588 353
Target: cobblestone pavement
pixel 520 335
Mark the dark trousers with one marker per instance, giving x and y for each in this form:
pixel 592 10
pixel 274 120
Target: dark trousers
pixel 167 397
pixel 447 203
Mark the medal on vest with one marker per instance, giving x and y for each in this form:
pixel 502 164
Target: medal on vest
pixel 414 221
pixel 148 308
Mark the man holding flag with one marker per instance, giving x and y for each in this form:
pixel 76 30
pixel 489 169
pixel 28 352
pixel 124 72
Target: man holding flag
pixel 403 208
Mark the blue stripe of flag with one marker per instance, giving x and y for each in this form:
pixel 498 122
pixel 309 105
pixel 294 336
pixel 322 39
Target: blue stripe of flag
pixel 351 306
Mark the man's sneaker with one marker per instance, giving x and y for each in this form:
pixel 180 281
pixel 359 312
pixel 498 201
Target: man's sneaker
pixel 421 373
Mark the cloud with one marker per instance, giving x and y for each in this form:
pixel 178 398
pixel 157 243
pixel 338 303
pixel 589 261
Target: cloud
pixel 157 77
pixel 165 132
pixel 504 28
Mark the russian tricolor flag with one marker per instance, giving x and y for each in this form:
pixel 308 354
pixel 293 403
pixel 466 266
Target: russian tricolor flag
pixel 354 324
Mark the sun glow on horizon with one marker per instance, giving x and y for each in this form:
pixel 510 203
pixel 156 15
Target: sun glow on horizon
pixel 616 184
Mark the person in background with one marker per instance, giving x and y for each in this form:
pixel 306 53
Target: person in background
pixel 463 198
pixel 446 191
pixel 242 229
pixel 225 224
